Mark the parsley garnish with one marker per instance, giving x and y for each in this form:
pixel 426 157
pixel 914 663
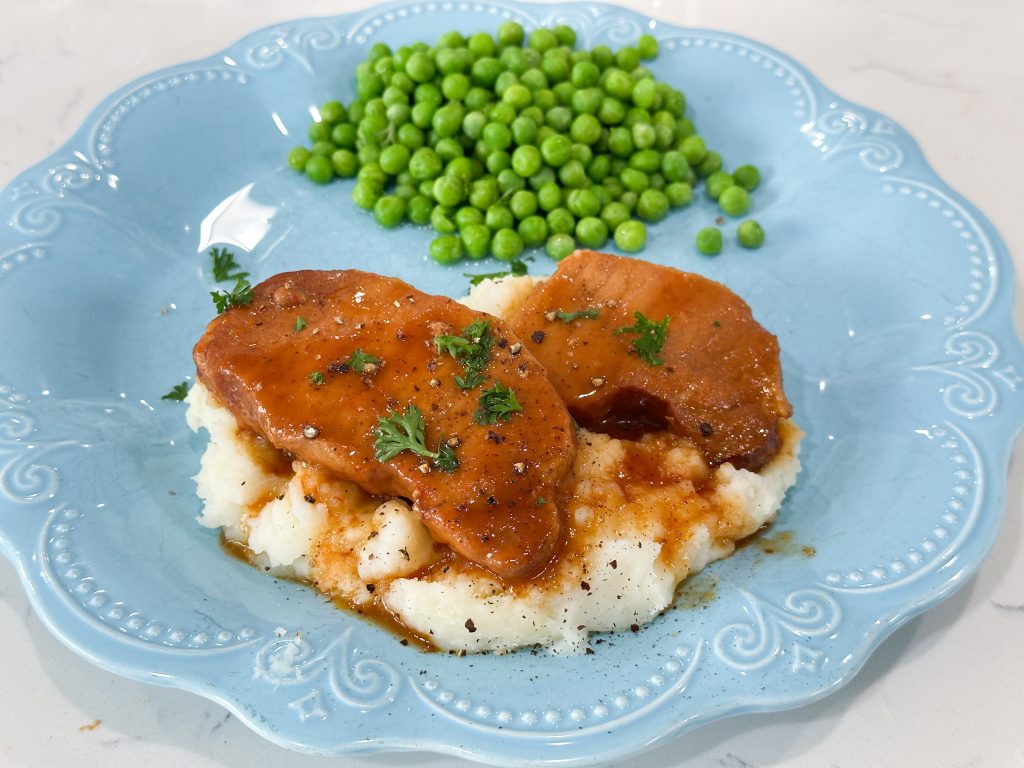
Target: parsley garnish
pixel 361 361
pixel 406 432
pixel 650 337
pixel 178 392
pixel 498 402
pixel 541 501
pixel 316 378
pixel 590 313
pixel 223 264
pixel 472 349
pixel 516 267
pixel 239 296
pixel 300 323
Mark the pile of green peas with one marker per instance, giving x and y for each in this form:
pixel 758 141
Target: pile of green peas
pixel 508 142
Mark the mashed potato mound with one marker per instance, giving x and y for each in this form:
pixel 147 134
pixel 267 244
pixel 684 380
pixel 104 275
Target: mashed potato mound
pixel 642 516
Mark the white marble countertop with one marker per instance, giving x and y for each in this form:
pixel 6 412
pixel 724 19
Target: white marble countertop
pixel 943 692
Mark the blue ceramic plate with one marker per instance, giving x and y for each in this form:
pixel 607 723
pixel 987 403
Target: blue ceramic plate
pixel 890 295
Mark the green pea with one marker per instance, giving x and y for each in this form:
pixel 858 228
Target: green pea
pixel 549 196
pixel 442 220
pixel 394 159
pixel 709 241
pixel 582 202
pixel 498 161
pixel 734 200
pixel 405 191
pixel 499 217
pixel 747 176
pixel 449 190
pixel 462 167
pixel 365 194
pixel 509 180
pixel 478 98
pixel 717 183
pixel 446 249
pixel 585 129
pixel 613 214
pixel 523 204
pixel 749 234
pixel 630 236
pixel 555 69
pixel 319 131
pixel 455 87
pixel 611 112
pixel 652 205
pixel 483 193
pixel 344 135
pixel 324 148
pixel 333 112
pixel 627 58
pixel 481 44
pixel 559 118
pixel 643 93
pixel 510 33
pixel 533 231
pixel 506 244
pixel 563 93
pixel 559 246
pixel 476 240
pixel 345 163
pixel 587 101
pixel 389 210
pixel 542 39
pixel 556 150
pixel 644 135
pixel 420 67
pixel 497 136
pixel 410 137
pixel 591 232
pixel 674 166
pixel 298 157
pixel 526 160
pixel 679 194
pixel 418 209
pixel 319 169
pixel 693 149
pixel 585 74
pixel 561 221
pixel 572 174
pixel 485 71
pixel 424 164
pixel 712 163
pixel 467 215
pixel 634 180
pixel 618 83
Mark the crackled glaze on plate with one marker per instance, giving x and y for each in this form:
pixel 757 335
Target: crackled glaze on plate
pixel 889 292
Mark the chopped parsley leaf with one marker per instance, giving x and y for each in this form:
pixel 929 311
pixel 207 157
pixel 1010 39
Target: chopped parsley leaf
pixel 590 313
pixel 517 267
pixel 472 349
pixel 316 378
pixel 300 323
pixel 178 392
pixel 239 296
pixel 497 403
pixel 224 265
pixel 362 362
pixel 650 337
pixel 406 432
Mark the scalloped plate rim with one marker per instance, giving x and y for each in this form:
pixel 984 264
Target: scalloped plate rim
pixel 880 630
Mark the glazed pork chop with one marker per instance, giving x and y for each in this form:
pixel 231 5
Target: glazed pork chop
pixel 709 372
pixel 321 359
